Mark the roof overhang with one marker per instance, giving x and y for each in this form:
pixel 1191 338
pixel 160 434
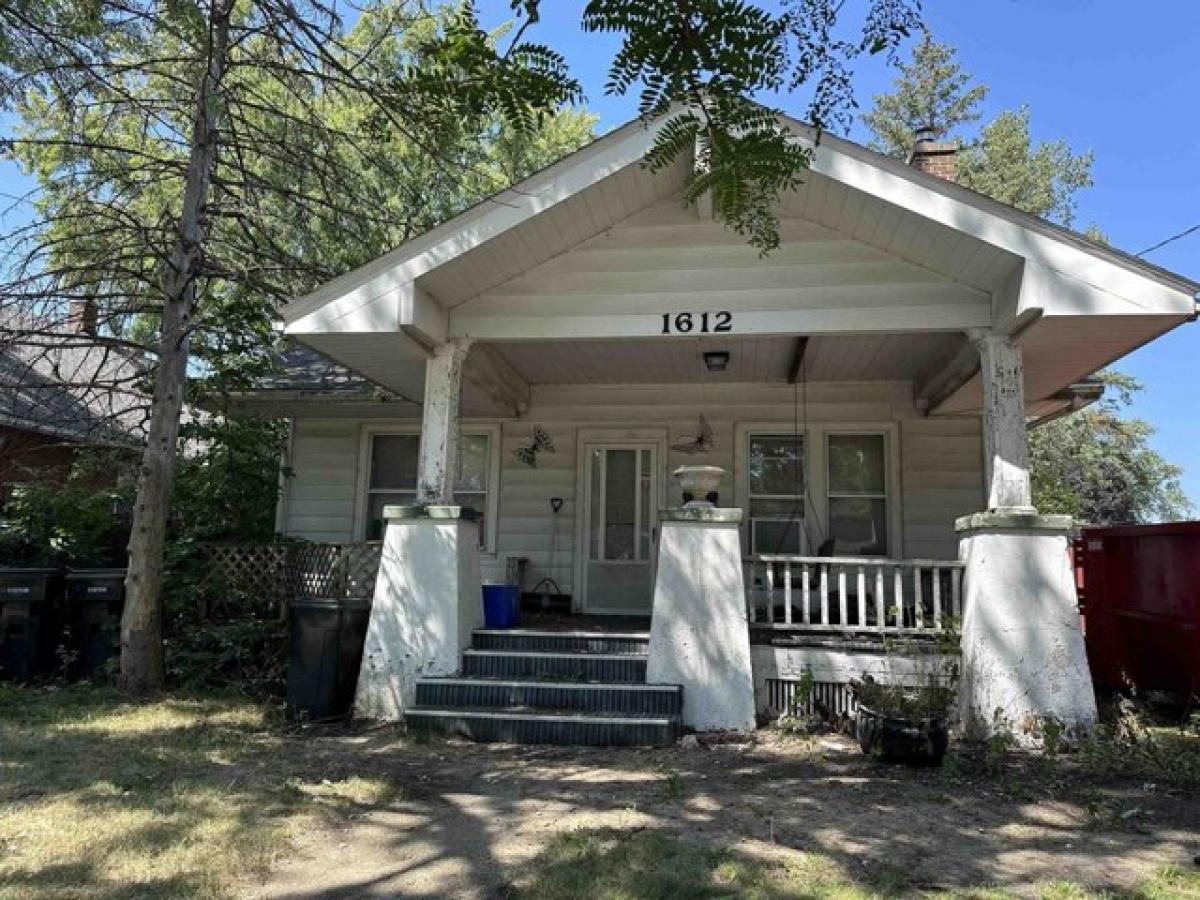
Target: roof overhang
pixel 1073 304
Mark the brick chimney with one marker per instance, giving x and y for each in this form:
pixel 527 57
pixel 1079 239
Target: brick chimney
pixel 934 156
pixel 82 317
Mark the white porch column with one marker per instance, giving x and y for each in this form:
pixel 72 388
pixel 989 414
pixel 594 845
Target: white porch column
pixel 427 594
pixel 699 633
pixel 438 465
pixel 1024 665
pixel 1005 444
pixel 427 602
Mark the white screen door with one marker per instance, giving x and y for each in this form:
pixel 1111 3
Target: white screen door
pixel 620 527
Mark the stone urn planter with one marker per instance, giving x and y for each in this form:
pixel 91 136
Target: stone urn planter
pixel 700 484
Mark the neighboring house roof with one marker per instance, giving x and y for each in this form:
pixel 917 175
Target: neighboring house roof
pixel 69 385
pixel 954 260
pixel 301 369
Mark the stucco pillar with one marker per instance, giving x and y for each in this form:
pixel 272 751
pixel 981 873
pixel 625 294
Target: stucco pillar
pixel 427 602
pixel 699 633
pixel 1005 443
pixel 1023 657
pixel 438 462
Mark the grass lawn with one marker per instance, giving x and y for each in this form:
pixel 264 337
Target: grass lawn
pixel 100 797
pixel 205 797
pixel 612 865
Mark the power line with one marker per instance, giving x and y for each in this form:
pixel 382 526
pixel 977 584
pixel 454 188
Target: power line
pixel 1169 240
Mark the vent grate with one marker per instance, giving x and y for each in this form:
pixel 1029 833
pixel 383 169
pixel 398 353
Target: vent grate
pixel 828 699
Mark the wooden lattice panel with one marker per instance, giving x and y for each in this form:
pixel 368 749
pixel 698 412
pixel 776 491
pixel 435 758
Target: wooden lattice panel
pixel 275 573
pixel 260 571
pixel 335 571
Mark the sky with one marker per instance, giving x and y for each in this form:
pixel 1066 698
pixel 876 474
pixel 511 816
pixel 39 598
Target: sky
pixel 1121 79
pixel 1118 78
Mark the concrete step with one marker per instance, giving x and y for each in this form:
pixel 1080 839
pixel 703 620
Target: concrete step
pixel 538 727
pixel 551 696
pixel 522 639
pixel 608 668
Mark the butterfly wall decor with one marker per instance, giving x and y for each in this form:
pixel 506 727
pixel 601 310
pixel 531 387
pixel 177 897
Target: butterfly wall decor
pixel 541 441
pixel 703 441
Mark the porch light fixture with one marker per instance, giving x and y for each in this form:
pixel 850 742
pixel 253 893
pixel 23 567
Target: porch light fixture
pixel 716 360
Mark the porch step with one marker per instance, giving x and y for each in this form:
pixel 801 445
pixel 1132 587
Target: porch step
pixel 520 726
pixel 530 686
pixel 545 696
pixel 561 641
pixel 609 668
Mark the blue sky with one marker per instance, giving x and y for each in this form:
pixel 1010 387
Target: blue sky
pixel 1117 78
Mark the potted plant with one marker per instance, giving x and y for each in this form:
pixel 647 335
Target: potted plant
pixel 909 721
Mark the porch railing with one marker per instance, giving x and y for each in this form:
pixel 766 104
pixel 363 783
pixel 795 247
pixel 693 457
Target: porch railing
pixel 862 594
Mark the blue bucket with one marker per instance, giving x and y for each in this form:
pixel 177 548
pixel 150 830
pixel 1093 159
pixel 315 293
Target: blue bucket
pixel 501 603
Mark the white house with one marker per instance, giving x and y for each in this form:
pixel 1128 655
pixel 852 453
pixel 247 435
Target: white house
pixel 866 388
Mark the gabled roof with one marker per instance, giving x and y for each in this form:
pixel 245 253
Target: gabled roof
pixel 871 245
pixel 948 203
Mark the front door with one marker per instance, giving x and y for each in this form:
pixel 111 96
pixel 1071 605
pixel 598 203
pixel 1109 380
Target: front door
pixel 620 516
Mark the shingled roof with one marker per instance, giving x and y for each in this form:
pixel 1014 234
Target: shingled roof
pixel 70 385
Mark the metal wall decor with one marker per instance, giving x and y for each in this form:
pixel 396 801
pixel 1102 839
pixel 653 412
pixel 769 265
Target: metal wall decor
pixel 702 442
pixel 541 441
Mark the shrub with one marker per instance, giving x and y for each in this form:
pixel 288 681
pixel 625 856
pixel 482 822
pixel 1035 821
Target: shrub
pixel 81 521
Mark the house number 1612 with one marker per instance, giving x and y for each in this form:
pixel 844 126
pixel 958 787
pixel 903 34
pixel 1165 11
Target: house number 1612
pixel 701 323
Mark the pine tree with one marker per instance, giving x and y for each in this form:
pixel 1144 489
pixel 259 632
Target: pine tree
pixel 931 92
pixel 1008 166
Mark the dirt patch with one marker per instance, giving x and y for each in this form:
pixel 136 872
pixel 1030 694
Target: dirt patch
pixel 455 819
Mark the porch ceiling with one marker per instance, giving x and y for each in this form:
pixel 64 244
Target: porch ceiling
pixel 863 357
pixel 1062 350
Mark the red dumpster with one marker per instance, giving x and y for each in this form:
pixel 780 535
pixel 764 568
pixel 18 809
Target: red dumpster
pixel 1140 593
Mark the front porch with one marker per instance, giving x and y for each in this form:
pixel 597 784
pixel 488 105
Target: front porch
pixel 849 497
pixel 550 357
pixel 577 678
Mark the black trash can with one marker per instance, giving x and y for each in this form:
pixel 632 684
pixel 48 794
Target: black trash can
pixel 324 655
pixel 30 623
pixel 95 600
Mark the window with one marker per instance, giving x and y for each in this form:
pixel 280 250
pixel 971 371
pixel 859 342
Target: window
pixel 393 476
pixel 775 493
pixel 857 490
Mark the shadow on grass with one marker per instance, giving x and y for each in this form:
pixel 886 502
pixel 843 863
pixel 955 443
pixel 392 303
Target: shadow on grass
pixel 607 864
pixel 175 797
pixel 198 797
pixel 469 818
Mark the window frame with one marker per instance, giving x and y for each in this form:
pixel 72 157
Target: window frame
pixel 362 500
pixel 816 500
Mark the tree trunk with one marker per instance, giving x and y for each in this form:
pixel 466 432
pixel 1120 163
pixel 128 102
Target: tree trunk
pixel 142 666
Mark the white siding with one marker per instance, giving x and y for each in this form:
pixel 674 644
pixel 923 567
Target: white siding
pixel 320 493
pixel 942 476
pixel 940 470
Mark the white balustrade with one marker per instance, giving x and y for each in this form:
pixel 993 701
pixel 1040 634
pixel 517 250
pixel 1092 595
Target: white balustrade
pixel 853 594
